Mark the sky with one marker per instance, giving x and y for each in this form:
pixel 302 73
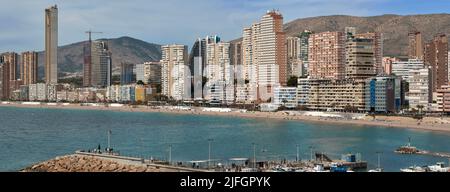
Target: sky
pixel 175 21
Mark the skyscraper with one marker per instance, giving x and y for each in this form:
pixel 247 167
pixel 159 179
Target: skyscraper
pixel 9 73
pixel 436 56
pixel 303 52
pixel 198 63
pixel 126 73
pixel 416 48
pixel 219 72
pixel 327 55
pixel 97 66
pixel 247 72
pixel 12 60
pixel 293 60
pixel 359 57
pixel 272 64
pixel 51 45
pixel 29 67
pixel 377 40
pixel 175 72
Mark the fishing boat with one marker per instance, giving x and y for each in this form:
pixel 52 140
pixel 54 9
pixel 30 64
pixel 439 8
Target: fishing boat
pixel 407 149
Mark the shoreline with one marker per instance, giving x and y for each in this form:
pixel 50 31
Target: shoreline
pixel 427 124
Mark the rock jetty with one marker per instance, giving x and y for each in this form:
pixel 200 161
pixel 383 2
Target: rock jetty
pixel 83 163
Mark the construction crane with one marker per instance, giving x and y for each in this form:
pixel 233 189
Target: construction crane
pixel 90 33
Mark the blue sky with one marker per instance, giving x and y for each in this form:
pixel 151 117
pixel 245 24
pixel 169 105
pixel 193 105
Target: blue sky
pixel 175 21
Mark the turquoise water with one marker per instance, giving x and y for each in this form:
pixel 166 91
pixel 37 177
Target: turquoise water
pixel 28 136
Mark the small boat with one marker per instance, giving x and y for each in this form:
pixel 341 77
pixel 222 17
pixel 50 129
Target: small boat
pixel 439 167
pixel 376 170
pixel 407 149
pixel 413 169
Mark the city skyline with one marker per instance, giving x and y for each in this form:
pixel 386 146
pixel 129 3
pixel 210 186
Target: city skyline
pixel 175 27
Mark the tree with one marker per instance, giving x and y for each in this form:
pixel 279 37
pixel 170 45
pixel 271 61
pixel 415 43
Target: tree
pixel 420 107
pixel 204 80
pixel 292 82
pixel 302 107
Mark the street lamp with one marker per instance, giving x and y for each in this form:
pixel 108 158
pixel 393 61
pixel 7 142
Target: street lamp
pixel 297 153
pixel 311 152
pixel 209 152
pixel 254 155
pixel 109 140
pixel 170 154
pixel 378 156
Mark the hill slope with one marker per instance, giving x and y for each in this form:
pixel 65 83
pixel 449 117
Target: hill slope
pixel 395 28
pixel 70 57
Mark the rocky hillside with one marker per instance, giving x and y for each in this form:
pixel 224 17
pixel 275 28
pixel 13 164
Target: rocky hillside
pixel 70 57
pixel 394 27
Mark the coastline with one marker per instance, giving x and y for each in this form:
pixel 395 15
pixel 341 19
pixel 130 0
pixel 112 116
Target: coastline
pixel 427 124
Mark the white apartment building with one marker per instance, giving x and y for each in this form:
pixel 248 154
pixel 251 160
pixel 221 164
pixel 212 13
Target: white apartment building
pixel 285 96
pixel 175 75
pixel 419 88
pixel 405 68
pixel 303 86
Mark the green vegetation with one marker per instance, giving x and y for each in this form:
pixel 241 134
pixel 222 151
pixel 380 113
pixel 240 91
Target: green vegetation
pixel 77 81
pixel 292 82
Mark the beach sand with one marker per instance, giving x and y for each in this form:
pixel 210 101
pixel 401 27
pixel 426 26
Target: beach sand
pixel 427 123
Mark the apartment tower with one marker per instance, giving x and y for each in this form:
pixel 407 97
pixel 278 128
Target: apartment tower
pixel 51 45
pixel 29 67
pixel 436 56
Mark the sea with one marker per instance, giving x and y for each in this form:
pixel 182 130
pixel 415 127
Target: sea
pixel 32 135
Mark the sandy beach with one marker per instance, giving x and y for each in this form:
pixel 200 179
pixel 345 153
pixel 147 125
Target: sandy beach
pixel 427 123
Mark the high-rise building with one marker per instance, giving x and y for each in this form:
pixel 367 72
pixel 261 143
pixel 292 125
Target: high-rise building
pixel 175 73
pixel 126 73
pixel 97 66
pixel 448 63
pixel 9 73
pixel 29 67
pixel 198 64
pixel 436 56
pixel 377 40
pixel 246 73
pixel 359 57
pixel 419 88
pixel 4 81
pixel 271 45
pixel 149 72
pixel 51 45
pixel 294 63
pixel 303 52
pixel 220 73
pixel 12 60
pixel 327 55
pixel 416 48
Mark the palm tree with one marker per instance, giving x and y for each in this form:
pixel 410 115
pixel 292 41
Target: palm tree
pixel 420 107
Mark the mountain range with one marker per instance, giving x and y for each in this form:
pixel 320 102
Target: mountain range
pixel 123 49
pixel 395 30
